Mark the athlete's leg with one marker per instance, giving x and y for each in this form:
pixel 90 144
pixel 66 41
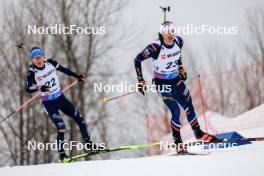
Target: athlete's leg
pixel 54 116
pixel 67 108
pixel 184 98
pixel 171 103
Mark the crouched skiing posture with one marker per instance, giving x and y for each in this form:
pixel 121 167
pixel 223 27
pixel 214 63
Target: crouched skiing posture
pixel 168 70
pixel 42 77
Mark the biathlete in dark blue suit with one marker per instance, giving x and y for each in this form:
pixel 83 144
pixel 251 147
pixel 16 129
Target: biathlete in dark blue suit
pixel 168 70
pixel 42 77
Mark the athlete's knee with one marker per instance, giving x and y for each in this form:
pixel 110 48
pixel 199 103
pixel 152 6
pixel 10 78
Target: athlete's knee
pixel 176 113
pixel 189 110
pixel 173 106
pixel 78 117
pixel 187 95
pixel 76 112
pixel 80 121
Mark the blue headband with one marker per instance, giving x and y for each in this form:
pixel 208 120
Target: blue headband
pixel 37 52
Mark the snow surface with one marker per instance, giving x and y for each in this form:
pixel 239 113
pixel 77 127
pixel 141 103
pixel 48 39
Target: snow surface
pixel 250 119
pixel 243 161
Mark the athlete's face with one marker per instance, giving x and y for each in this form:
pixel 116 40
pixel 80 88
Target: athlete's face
pixel 169 37
pixel 39 61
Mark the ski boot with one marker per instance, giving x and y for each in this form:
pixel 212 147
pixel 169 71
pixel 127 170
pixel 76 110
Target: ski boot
pixel 64 158
pixel 179 145
pixel 200 135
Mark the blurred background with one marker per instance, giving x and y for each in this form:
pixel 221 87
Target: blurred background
pixel 230 67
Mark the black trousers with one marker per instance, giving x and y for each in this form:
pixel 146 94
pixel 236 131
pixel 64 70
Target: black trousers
pixel 179 95
pixel 64 105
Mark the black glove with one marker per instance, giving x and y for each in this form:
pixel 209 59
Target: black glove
pixel 183 74
pixel 141 86
pixel 44 88
pixel 81 78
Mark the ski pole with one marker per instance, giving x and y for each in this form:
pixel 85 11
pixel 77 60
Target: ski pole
pixel 20 107
pixel 69 86
pixel 106 99
pixel 33 98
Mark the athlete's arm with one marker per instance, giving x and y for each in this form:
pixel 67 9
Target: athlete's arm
pixel 183 74
pixel 31 85
pixel 67 71
pixel 179 42
pixel 151 50
pixel 62 69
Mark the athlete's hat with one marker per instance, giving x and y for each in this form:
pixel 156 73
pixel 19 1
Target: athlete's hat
pixel 166 26
pixel 35 51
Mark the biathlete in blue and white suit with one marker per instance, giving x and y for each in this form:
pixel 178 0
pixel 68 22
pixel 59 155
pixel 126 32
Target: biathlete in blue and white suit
pixel 168 70
pixel 42 76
